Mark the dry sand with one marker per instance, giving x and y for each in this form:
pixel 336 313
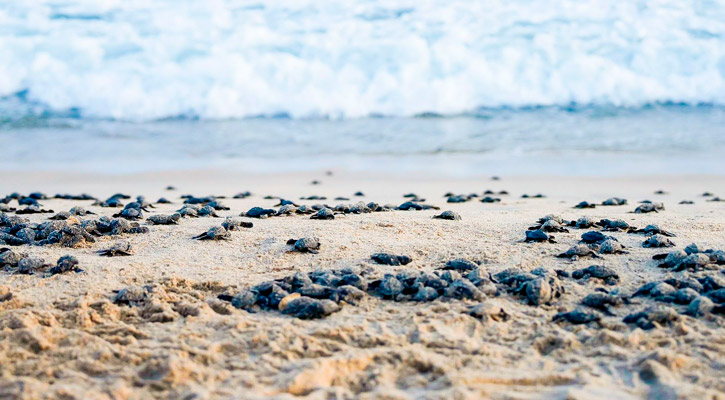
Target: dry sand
pixel 62 337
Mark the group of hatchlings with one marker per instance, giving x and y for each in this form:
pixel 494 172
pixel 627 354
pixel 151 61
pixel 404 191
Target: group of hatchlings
pixel 321 293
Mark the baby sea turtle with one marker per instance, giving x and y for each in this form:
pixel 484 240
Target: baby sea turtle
pixel 188 211
pixel 607 275
pixel 286 210
pixel 132 295
pixel 611 246
pixel 654 230
pixel 614 201
pixel 541 290
pixel 31 265
pixel 131 214
pixel 463 289
pixel 584 223
pixel 207 211
pixel 699 307
pixel 28 201
pixel 616 225
pixel 214 233
pixel 410 205
pixel 390 259
pixel 33 209
pixel 653 317
pixel 535 196
pixel 122 248
pixel 550 225
pixel 303 307
pixel 259 212
pixel 577 317
pixel 578 251
pixel 601 301
pixel 324 213
pixel 680 260
pixel 231 224
pixel 284 202
pixel 61 216
pixel 80 212
pixel 489 311
pixel 305 245
pixel 449 215
pixel 65 264
pixel 657 240
pixel 460 264
pixel 163 200
pixel 538 236
pixel 585 204
pixel 682 296
pixel 594 237
pixel 161 219
pixel 489 199
pixel 645 208
pixel 460 198
pixel 139 205
pixel 655 289
pixel 9 258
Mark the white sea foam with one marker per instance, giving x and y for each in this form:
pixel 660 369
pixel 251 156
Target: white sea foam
pixel 217 59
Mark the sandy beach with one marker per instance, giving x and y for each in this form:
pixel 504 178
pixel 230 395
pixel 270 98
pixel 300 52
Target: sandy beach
pixel 65 336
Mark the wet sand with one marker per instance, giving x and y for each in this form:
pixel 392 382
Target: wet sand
pixel 63 337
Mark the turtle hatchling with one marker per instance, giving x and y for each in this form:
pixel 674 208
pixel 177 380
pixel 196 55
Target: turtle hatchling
pixel 65 264
pixel 122 248
pixel 614 201
pixel 578 251
pixel 541 290
pixel 460 264
pixel 653 317
pixel 611 246
pixel 308 308
pixel 305 245
pixel 232 224
pixel 648 207
pixel 538 236
pixel 259 212
pixel 601 301
pixel 449 215
pixel 324 213
pixel 132 295
pixel 214 233
pixel 132 214
pixel 31 265
pixel 577 317
pixel 207 211
pixel 162 219
pixel 608 275
pixel 390 259
pixel 658 240
pixel 654 230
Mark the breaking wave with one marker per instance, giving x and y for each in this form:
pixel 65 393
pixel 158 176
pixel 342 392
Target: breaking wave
pixel 228 59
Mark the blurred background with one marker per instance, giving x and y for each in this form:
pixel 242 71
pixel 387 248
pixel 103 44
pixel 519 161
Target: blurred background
pixel 441 86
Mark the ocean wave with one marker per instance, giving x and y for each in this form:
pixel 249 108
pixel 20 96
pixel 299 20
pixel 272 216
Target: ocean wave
pixel 228 59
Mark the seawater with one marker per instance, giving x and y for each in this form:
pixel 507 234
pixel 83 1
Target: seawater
pixel 552 141
pixel 139 60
